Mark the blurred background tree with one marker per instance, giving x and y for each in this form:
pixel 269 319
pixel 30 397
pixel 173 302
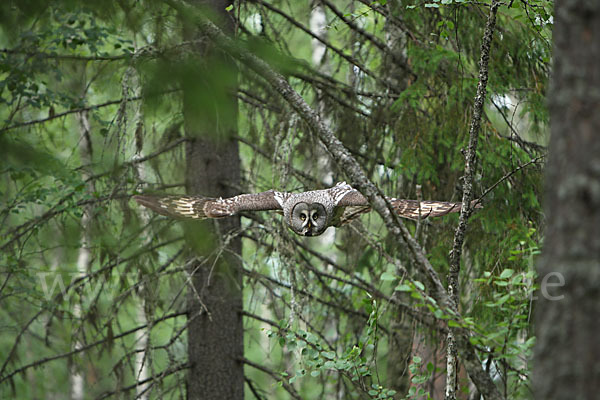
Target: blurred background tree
pixel 566 318
pixel 102 100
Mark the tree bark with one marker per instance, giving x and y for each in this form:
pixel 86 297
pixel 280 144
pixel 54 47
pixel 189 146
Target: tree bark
pixel 215 332
pixel 567 352
pixel 84 257
pixel 143 359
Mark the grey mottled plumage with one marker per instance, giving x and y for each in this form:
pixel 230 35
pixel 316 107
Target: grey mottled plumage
pixel 306 213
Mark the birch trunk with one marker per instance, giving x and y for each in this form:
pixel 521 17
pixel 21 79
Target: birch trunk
pixel 84 257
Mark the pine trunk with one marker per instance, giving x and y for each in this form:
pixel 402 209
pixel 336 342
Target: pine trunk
pixel 215 332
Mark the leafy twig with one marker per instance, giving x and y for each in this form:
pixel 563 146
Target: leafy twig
pixel 508 175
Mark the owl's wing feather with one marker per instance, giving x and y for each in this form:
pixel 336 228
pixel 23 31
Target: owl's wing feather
pixel 352 198
pixel 175 206
pixel 199 207
pixel 413 209
pixel 341 191
pixel 354 204
pixel 347 214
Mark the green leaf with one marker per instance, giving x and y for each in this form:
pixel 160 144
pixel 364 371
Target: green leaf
pixel 387 276
pixel 507 273
pixel 416 295
pixel 503 299
pixel 403 287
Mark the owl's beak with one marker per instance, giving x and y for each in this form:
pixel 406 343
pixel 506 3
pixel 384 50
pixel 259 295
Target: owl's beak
pixel 307 229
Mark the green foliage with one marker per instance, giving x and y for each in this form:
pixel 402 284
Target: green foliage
pixel 420 376
pixel 344 314
pixel 356 363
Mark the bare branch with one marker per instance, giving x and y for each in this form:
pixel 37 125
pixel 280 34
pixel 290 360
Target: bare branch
pixel 74 57
pixel 64 113
pixel 372 38
pixel 336 50
pixel 508 175
pixel 155 377
pixel 86 347
pixel 362 183
pixel 472 363
pixel 290 389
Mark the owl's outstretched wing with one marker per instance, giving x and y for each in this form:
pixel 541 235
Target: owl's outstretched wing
pixel 354 203
pixel 413 209
pixel 199 207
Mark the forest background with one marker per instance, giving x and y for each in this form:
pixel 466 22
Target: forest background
pixel 440 100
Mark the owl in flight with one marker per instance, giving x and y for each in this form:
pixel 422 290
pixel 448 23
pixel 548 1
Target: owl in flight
pixel 306 213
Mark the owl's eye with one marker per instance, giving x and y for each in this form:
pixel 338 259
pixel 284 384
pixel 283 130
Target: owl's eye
pixel 302 217
pixel 315 216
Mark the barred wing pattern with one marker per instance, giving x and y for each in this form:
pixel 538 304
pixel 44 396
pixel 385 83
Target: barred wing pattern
pixel 341 202
pixel 413 209
pixel 199 207
pixel 354 204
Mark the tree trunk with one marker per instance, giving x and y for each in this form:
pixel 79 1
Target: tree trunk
pixel 84 258
pixel 567 353
pixel 215 331
pixel 143 359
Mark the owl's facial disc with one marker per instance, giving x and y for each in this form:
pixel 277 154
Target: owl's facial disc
pixel 310 219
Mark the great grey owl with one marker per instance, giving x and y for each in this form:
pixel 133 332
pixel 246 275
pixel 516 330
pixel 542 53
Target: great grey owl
pixel 306 213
